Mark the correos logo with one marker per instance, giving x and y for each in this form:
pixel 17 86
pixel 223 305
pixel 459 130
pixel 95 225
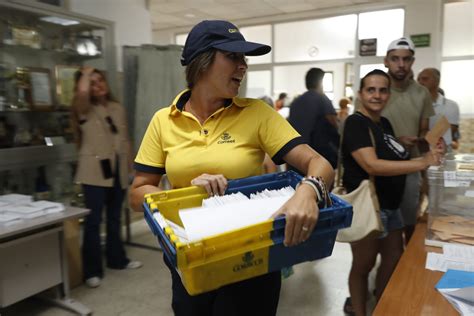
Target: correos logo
pixel 226 138
pixel 248 261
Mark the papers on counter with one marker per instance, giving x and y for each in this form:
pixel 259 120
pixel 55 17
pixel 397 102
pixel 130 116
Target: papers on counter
pixel 458 288
pixel 15 207
pixel 15 198
pixel 9 219
pixel 455 257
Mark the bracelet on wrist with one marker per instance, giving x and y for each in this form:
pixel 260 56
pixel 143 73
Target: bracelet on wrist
pixel 312 185
pixel 318 183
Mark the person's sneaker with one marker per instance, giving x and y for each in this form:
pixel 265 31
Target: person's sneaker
pixel 134 264
pixel 93 282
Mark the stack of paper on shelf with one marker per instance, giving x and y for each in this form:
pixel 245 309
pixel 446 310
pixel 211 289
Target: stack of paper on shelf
pixel 15 198
pixel 48 207
pixel 8 219
pixel 14 207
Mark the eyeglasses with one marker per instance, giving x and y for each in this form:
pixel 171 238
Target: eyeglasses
pixel 113 127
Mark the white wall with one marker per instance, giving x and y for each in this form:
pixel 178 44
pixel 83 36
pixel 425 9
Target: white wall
pixel 421 16
pixel 163 37
pixel 132 20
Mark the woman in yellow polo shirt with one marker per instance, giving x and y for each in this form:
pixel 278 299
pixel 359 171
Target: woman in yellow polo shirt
pixel 208 135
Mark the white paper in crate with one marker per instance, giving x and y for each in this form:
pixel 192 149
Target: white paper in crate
pixel 217 217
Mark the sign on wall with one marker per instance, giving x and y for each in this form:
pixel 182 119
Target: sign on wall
pixel 368 47
pixel 421 40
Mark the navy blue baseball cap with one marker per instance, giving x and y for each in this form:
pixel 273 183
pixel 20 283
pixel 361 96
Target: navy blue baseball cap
pixel 222 35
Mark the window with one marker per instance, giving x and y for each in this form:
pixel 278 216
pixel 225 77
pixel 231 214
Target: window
pixel 456 81
pixel 328 84
pixel 322 39
pixel 374 25
pixel 458 33
pixel 291 79
pixel 259 84
pixel 365 69
pixel 458 55
pixel 180 39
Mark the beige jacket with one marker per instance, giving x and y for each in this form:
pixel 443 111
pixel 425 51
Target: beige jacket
pixel 98 142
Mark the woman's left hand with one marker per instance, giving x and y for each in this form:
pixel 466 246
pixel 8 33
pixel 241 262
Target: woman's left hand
pixel 301 212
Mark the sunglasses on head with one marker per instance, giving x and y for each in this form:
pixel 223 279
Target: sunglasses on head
pixel 113 127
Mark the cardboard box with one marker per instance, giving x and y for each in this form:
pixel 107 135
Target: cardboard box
pixel 72 229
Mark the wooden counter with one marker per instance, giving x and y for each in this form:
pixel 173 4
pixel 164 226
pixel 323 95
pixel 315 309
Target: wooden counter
pixel 411 289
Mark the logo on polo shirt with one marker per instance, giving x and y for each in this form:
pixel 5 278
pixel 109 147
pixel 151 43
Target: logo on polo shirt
pixel 226 138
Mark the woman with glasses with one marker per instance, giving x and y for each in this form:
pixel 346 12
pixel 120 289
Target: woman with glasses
pixel 104 165
pixel 209 135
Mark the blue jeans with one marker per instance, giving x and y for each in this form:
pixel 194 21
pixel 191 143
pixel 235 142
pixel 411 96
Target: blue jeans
pixel 96 197
pixel 391 220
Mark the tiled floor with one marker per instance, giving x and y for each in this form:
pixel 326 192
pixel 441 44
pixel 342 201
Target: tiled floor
pixel 316 288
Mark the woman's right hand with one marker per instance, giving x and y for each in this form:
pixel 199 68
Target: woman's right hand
pixel 432 158
pixel 215 184
pixel 87 70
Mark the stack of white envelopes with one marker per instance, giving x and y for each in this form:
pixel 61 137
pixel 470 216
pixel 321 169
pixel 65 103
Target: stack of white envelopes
pixel 15 207
pixel 220 214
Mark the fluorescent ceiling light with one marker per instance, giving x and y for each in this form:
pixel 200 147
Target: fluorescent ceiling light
pixel 60 21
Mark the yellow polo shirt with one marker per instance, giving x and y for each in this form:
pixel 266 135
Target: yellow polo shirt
pixel 233 141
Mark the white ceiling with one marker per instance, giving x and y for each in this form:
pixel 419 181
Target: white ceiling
pixel 169 14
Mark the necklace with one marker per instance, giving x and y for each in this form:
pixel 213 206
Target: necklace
pixel 189 109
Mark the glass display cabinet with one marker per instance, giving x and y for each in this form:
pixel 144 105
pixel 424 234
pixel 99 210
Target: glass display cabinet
pixel 41 47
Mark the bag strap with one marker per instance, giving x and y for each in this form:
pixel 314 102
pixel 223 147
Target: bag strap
pixel 372 139
pixel 339 155
pixel 338 181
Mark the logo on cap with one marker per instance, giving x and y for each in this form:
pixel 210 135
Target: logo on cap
pixel 233 30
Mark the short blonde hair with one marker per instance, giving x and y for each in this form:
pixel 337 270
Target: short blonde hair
pixel 198 66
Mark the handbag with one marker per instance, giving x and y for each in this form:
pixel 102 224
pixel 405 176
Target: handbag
pixel 365 206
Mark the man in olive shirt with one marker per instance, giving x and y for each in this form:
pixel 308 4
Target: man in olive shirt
pixel 408 109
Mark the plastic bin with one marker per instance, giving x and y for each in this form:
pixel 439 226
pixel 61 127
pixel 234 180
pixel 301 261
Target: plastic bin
pixel 451 201
pixel 243 253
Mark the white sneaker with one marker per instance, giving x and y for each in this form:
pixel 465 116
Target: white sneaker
pixel 93 282
pixel 134 264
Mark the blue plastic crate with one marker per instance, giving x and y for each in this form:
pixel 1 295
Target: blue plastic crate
pixel 244 253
